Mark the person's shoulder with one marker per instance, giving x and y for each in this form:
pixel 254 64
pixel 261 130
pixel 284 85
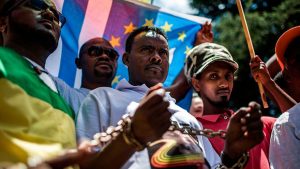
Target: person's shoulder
pixel 64 89
pixel 183 117
pixel 83 91
pixel 12 59
pixel 2 70
pixel 289 121
pixel 102 89
pixel 7 51
pixel 291 116
pixel 104 92
pixel 59 82
pixel 294 110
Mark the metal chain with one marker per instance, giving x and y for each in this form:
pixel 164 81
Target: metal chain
pixel 186 129
pixel 238 165
pixel 101 139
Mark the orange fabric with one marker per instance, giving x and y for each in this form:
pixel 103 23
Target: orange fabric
pixel 283 42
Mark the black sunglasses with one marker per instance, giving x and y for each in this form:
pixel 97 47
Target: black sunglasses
pixel 99 50
pixel 35 4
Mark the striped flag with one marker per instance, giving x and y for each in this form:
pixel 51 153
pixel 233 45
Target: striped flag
pixel 114 20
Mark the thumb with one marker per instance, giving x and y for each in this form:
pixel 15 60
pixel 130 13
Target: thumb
pixel 155 87
pixel 257 58
pixel 240 113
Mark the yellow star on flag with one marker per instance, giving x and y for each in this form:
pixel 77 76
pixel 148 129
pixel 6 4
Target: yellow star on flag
pixel 167 27
pixel 129 28
pixel 187 50
pixel 115 41
pixel 116 80
pixel 181 36
pixel 149 22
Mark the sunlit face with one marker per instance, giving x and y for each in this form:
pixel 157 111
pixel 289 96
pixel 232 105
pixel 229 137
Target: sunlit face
pixel 215 84
pixel 148 59
pixel 39 25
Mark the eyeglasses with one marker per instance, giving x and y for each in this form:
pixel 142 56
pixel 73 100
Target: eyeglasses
pixel 99 50
pixel 39 5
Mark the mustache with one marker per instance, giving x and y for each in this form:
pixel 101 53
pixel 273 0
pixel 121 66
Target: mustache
pixel 103 62
pixel 223 90
pixel 154 65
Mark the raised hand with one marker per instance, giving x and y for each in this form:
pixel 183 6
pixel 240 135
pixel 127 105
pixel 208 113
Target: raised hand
pixel 205 34
pixel 244 131
pixel 259 70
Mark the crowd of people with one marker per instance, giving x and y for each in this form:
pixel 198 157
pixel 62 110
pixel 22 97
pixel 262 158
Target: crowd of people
pixel 44 123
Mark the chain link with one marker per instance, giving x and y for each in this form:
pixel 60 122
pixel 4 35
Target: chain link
pixel 102 139
pixel 186 129
pixel 240 164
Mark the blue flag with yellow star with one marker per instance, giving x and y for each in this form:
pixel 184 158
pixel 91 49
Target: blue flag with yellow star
pixel 115 20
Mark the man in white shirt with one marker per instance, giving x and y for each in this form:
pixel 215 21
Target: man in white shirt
pixel 285 138
pixel 147 57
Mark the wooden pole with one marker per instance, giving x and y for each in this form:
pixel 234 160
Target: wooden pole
pixel 251 49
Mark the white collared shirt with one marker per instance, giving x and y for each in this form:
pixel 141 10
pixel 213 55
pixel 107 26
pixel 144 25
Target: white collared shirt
pixel 43 75
pixel 104 107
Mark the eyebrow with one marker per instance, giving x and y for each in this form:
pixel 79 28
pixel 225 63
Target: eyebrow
pixel 146 45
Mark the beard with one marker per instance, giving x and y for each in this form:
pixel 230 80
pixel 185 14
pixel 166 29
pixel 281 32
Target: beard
pixel 223 103
pixel 107 75
pixel 39 36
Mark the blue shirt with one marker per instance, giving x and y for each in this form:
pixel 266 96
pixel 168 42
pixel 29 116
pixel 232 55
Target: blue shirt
pixel 72 96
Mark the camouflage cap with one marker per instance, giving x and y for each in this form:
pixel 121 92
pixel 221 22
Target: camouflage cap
pixel 201 56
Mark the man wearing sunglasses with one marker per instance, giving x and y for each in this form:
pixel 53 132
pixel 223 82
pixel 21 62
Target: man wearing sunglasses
pixel 30 105
pixel 98 62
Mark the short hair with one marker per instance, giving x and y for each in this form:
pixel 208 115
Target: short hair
pixel 133 34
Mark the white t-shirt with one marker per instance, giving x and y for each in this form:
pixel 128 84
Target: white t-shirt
pixel 285 140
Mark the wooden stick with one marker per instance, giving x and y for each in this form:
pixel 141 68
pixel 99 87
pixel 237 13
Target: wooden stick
pixel 251 49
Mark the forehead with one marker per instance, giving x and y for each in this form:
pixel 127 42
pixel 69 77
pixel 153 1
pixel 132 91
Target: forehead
pixel 197 100
pixel 98 42
pixel 219 66
pixel 150 38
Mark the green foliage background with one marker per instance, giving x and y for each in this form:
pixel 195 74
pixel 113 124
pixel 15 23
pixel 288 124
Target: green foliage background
pixel 267 20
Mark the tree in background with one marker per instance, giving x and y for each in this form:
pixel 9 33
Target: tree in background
pixel 267 20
